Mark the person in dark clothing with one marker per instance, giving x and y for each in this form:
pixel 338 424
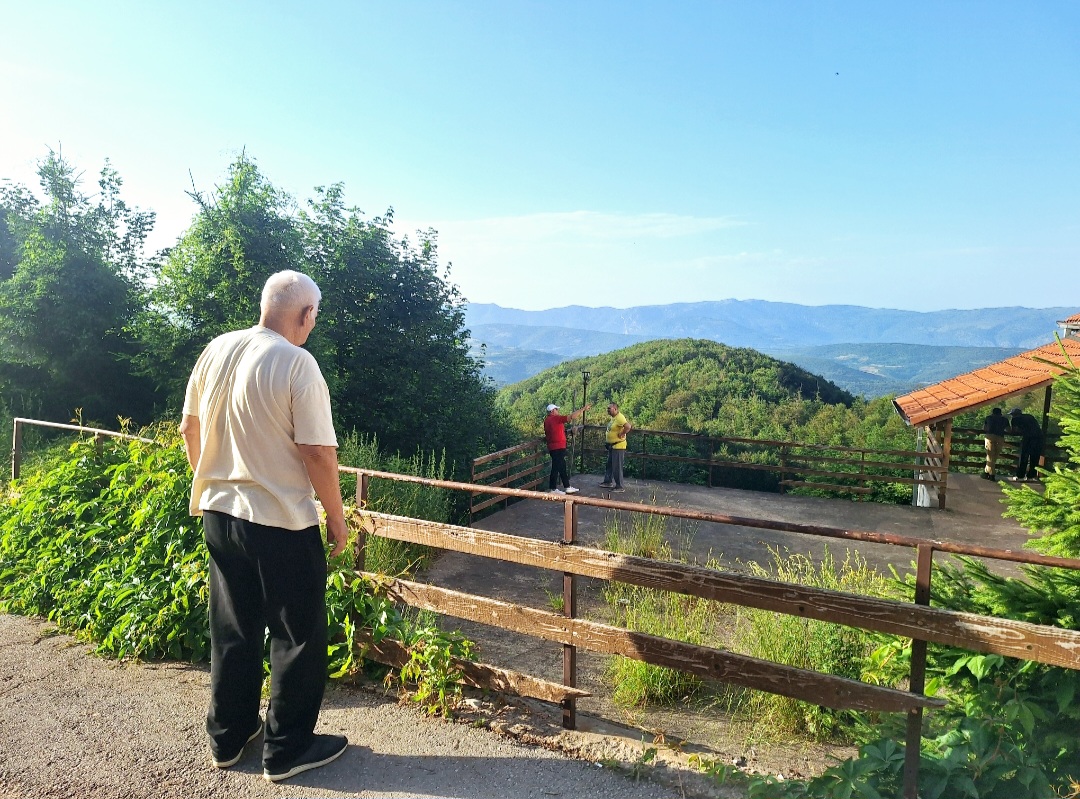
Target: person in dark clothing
pixel 1031 443
pixel 994 429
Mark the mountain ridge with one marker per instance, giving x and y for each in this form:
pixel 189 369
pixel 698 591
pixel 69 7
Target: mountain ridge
pixel 762 323
pixel 869 351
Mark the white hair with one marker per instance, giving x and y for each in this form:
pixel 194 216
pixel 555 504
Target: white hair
pixel 289 290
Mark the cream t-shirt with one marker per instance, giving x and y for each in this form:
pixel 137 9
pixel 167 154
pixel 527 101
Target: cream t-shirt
pixel 256 397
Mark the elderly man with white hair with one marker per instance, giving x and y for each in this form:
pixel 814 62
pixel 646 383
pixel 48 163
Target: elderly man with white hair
pixel 259 437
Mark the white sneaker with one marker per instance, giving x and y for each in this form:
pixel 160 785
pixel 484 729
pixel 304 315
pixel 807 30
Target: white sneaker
pixel 570 490
pixel 557 491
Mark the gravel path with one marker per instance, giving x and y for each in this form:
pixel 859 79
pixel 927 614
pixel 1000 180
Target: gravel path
pixel 74 725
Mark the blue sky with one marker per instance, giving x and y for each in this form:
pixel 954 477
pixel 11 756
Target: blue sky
pixel 919 155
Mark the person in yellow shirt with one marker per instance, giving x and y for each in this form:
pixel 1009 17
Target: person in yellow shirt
pixel 615 442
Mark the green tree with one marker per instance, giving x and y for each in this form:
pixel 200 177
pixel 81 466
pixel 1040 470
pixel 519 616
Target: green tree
pixel 1054 514
pixel 69 287
pixel 392 336
pixel 210 282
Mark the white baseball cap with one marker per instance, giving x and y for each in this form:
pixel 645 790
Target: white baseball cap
pixel 551 408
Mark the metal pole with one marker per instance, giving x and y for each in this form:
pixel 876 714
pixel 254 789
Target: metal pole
pixel 584 402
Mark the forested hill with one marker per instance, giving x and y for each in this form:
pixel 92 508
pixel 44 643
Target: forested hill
pixel 690 385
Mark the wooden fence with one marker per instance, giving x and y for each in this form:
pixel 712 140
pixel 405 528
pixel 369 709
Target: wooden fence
pixel 723 461
pixel 969 452
pixel 923 624
pixel 523 466
pixel 917 621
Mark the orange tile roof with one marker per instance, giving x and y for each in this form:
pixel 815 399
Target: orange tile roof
pixel 1072 320
pixel 987 385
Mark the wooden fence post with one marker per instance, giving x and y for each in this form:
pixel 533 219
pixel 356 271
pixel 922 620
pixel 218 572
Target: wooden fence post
pixel 16 449
pixel 569 705
pixel 917 677
pixel 362 487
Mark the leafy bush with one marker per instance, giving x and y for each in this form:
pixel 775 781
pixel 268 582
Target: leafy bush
pixel 100 542
pixel 97 538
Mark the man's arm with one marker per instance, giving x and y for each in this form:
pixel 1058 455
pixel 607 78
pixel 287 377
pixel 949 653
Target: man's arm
pixel 578 412
pixel 322 469
pixel 191 431
pixel 626 428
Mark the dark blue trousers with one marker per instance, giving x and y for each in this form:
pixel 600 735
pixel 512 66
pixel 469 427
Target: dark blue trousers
pixel 265 578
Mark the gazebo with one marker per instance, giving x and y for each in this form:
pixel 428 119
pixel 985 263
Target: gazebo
pixel 933 408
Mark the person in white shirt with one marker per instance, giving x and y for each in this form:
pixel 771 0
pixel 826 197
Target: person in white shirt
pixel 260 438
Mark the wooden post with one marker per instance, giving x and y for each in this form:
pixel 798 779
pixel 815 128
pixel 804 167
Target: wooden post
pixel 783 465
pixel 472 496
pixel 362 486
pixel 1046 408
pixel 917 678
pixel 506 481
pixel 946 451
pixel 16 449
pixel 644 455
pixel 569 706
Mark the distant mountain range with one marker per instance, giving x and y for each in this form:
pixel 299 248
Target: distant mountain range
pixel 868 351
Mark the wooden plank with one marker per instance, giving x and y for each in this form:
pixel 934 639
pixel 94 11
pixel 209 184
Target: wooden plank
pixel 487 503
pixel 502 453
pixel 902 453
pixel 877 478
pixel 1042 643
pixel 809 686
pixel 826 486
pixel 478 675
pixel 502 468
pixel 905 466
pixel 506 481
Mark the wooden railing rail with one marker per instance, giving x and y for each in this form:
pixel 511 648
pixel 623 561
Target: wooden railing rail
pixel 826 467
pixel 969 453
pixel 17 437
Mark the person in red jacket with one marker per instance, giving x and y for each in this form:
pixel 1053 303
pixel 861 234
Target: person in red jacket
pixel 555 433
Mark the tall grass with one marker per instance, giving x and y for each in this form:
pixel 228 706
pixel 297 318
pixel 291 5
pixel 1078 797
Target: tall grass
pixel 794 641
pixel 647 610
pixel 804 643
pixel 402 499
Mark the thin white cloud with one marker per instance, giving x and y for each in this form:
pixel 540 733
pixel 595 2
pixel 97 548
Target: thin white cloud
pixel 578 225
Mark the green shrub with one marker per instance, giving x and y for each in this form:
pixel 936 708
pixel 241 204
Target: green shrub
pixel 100 542
pixel 98 539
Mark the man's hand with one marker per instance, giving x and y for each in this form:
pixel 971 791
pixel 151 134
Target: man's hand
pixel 337 535
pixel 322 469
